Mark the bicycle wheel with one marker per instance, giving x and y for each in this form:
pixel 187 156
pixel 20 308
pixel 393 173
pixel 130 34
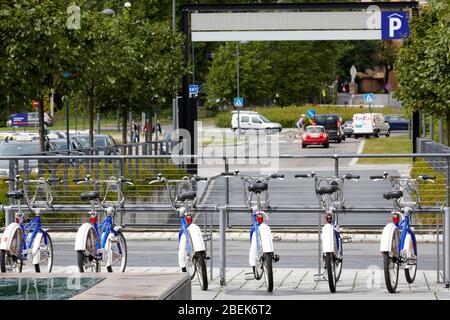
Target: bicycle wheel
pixel 339 259
pixel 258 269
pixel 188 255
pixel 268 271
pixel 331 271
pixel 87 260
pixel 10 260
pixel 410 272
pixel 46 255
pixel 119 254
pixel 391 265
pixel 200 266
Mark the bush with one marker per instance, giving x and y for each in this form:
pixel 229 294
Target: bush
pixel 288 116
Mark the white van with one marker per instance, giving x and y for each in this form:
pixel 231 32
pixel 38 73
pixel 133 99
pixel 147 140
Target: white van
pixel 251 120
pixel 370 124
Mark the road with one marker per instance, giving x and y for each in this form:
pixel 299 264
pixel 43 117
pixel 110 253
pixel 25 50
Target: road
pixel 155 253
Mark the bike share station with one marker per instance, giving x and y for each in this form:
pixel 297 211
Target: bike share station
pixel 223 22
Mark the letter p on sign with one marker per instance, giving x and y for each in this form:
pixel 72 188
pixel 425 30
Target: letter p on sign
pixel 394 25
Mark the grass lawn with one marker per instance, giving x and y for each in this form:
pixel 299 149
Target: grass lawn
pixel 392 144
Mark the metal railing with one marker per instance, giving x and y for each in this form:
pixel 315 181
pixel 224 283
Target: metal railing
pixel 220 203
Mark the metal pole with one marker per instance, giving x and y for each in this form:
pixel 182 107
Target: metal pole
pixel 118 119
pixel 67 123
pixel 447 247
pixel 211 250
pixel 237 86
pixel 98 122
pixel 438 252
pixel 431 128
pixel 441 131
pixel 9 217
pixel 223 261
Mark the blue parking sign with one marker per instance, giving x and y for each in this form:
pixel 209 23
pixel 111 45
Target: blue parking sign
pixel 193 89
pixel 394 25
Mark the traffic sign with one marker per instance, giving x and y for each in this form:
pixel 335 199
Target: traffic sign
pixel 35 104
pixel 311 113
pixel 238 102
pixel 193 89
pixel 394 25
pixel 369 97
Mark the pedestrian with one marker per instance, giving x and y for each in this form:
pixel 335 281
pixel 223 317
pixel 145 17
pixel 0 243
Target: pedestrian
pixel 135 136
pixel 300 124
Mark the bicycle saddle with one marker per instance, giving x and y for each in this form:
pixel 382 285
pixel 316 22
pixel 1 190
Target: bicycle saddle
pixel 15 195
pixel 189 195
pixel 393 195
pixel 327 189
pixel 258 187
pixel 90 195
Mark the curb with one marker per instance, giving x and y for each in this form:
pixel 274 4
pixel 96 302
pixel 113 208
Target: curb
pixel 245 236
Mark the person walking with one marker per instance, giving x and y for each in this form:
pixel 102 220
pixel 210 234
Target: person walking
pixel 135 137
pixel 300 124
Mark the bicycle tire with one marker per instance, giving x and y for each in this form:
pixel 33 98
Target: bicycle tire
pixel 6 256
pixel 37 266
pixel 258 269
pixel 200 263
pixel 331 271
pixel 341 257
pixel 391 280
pixel 409 275
pixel 124 258
pixel 268 271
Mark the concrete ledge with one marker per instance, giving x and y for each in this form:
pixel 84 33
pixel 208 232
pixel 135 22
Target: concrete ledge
pixel 140 286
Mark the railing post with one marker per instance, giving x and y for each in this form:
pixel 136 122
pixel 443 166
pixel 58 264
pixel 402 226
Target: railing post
pixel 9 216
pixel 227 188
pixel 121 174
pixel 336 165
pixel 446 247
pixel 222 228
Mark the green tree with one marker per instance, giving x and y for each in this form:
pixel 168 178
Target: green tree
pixel 33 51
pixel 423 62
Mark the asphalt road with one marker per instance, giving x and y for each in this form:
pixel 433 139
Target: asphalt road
pixel 143 253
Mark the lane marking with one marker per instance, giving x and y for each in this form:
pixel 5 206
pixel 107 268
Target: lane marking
pixel 360 150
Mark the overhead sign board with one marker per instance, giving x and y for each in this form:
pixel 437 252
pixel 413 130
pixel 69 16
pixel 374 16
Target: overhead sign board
pixel 371 24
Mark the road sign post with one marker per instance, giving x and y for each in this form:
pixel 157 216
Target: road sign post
pixel 238 103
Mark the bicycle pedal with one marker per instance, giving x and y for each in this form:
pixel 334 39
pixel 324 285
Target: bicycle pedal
pixel 411 262
pixel 347 239
pixel 319 277
pixel 206 237
pixel 249 276
pixel 276 258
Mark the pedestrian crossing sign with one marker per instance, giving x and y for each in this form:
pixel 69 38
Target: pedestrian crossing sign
pixel 238 102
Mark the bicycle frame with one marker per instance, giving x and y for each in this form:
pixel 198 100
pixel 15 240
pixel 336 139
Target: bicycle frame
pixel 405 229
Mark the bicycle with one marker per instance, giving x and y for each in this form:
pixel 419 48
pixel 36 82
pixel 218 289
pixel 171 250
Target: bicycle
pixel 261 253
pixel 102 243
pixel 398 242
pixel 191 250
pixel 28 242
pixel 329 192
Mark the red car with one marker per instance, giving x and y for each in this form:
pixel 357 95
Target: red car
pixel 315 135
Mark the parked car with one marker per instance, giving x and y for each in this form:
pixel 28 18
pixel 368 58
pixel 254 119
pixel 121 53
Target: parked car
pixel 370 124
pixel 315 135
pixel 33 119
pixel 251 120
pixel 348 128
pixel 61 145
pixel 397 121
pixel 103 142
pixel 18 148
pixel 333 125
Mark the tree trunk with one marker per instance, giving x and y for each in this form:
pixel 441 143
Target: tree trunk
pixel 91 122
pixel 41 125
pixel 124 124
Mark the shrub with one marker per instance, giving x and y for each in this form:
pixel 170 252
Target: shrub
pixel 288 116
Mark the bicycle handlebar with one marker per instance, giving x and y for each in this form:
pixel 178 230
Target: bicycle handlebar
pixel 304 175
pixel 277 175
pixel 376 177
pixel 351 176
pixel 235 173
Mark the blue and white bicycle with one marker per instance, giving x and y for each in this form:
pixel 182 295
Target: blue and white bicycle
pixel 191 251
pixel 398 242
pixel 330 193
pixel 28 242
pixel 102 243
pixel 261 253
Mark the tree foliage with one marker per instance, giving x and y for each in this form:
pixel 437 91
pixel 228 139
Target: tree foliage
pixel 423 62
